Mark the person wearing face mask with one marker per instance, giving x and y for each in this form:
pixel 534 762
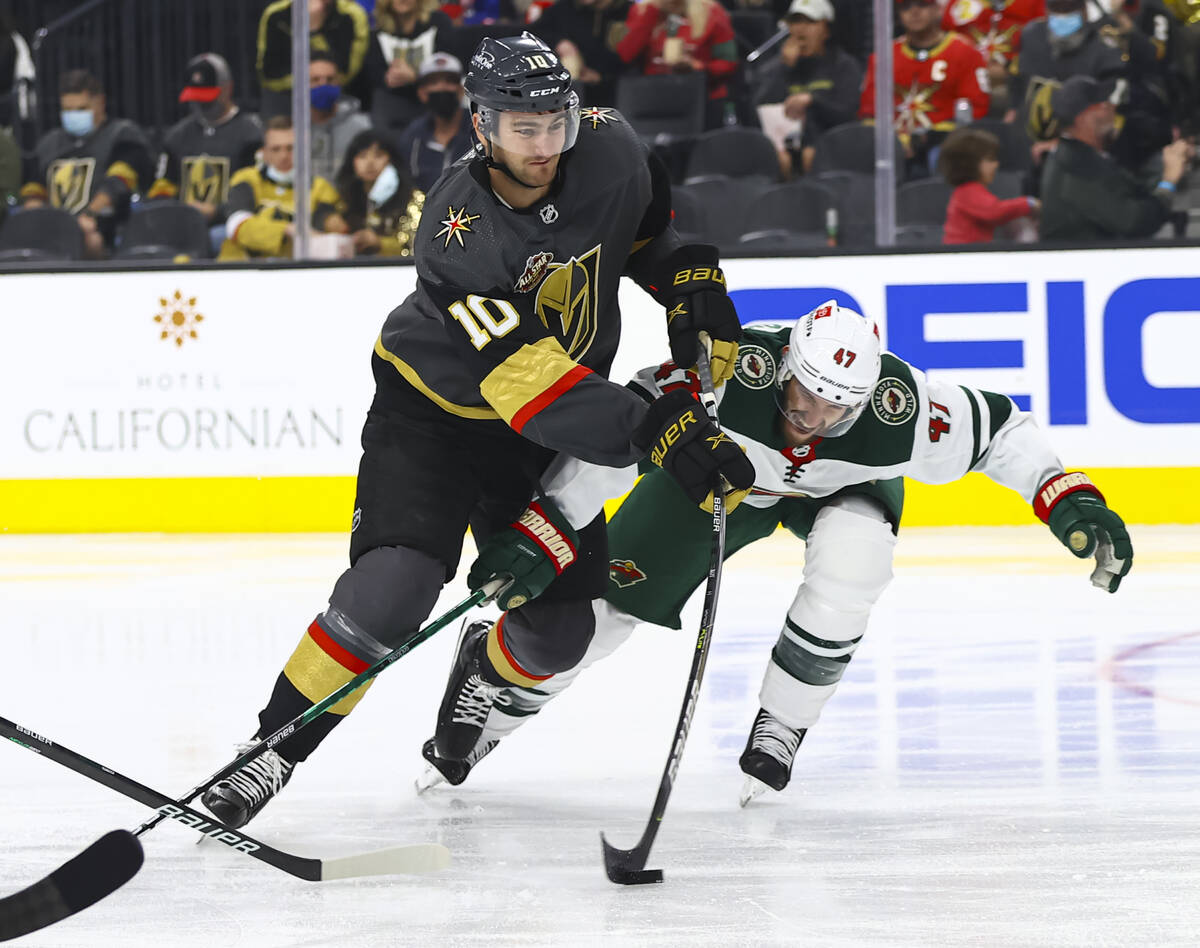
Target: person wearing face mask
pixel 262 200
pixel 203 151
pixel 443 134
pixel 1053 49
pixel 92 165
pixel 1086 195
pixel 379 206
pixel 337 28
pixel 336 117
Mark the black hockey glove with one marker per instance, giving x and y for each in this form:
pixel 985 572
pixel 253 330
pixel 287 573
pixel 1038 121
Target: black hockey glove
pixel 1077 514
pixel 533 551
pixel 692 288
pixel 684 443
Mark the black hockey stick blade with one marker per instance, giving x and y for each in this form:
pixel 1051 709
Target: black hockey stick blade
pixel 95 873
pixel 624 866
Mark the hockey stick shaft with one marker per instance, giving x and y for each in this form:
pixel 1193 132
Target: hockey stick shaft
pixel 627 866
pixel 262 746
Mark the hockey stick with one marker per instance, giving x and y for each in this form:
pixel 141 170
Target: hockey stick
pixel 628 866
pixel 114 859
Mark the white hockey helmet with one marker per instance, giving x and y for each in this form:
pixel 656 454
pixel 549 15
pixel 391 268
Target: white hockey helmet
pixel 833 352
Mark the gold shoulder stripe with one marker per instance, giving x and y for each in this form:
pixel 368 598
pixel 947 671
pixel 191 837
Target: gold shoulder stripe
pixel 412 378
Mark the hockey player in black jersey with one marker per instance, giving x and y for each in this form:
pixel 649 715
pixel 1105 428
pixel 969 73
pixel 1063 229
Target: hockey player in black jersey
pixel 490 374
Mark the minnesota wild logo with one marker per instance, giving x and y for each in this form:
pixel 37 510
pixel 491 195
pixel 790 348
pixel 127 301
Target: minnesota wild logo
pixel 625 572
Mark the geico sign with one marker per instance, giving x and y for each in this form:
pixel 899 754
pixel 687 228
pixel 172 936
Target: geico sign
pixel 1125 313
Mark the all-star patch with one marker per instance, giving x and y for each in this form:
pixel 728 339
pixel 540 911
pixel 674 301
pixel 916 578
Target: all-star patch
pixel 893 401
pixel 755 366
pixel 625 572
pixel 535 269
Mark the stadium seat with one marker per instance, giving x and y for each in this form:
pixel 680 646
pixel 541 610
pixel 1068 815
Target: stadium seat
pixel 165 230
pixel 724 202
pixel 663 108
pixel 690 220
pixel 797 207
pixel 922 202
pixel 777 241
pixel 855 193
pixel 1014 143
pixel 919 235
pixel 850 147
pixel 41 233
pixel 734 151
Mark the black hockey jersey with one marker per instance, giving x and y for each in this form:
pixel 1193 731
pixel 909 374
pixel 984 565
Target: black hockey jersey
pixel 115 157
pixel 515 314
pixel 199 160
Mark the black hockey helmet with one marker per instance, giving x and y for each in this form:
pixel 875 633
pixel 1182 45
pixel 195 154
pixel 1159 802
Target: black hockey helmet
pixel 518 74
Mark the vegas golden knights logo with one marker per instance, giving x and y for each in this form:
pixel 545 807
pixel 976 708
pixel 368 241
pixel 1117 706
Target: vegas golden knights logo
pixel 567 301
pixel 205 179
pixel 69 181
pixel 1042 124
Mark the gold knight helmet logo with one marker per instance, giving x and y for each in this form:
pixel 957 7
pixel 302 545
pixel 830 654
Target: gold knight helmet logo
pixel 567 301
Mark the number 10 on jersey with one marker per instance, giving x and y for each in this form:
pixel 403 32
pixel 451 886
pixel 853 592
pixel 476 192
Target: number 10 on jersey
pixel 478 320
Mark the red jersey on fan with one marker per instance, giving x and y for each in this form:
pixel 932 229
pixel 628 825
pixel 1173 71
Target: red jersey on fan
pixel 928 82
pixel 992 26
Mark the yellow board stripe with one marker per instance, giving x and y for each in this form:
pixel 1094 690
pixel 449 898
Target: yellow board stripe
pixel 325 504
pixel 316 676
pixel 526 374
pixel 413 379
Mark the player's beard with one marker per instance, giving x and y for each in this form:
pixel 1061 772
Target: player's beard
pixel 535 176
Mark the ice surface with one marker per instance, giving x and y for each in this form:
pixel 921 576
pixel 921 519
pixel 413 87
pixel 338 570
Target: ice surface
pixel 1011 760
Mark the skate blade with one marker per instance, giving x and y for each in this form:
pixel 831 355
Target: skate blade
pixel 751 789
pixel 429 779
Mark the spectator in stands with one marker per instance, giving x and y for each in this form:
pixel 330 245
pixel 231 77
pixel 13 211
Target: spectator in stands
pixel 674 36
pixel 931 71
pixel 584 34
pixel 17 76
pixel 1086 195
pixel 443 134
pixel 409 32
pixel 92 165
pixel 1184 30
pixel 478 12
pixel 378 206
pixel 338 28
pixel 262 200
pixel 1145 107
pixel 994 28
pixel 816 83
pixel 968 161
pixel 336 118
pixel 202 152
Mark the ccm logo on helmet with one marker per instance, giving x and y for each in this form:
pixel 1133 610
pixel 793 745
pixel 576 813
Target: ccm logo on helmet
pixel 534 92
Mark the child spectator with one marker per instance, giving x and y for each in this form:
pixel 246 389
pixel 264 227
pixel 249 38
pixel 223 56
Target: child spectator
pixel 92 166
pixel 337 27
pixel 968 161
pixel 666 36
pixel 378 206
pixel 262 200
pixel 410 31
pixel 444 134
pixel 202 152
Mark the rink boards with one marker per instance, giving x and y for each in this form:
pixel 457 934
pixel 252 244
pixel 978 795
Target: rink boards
pixel 231 399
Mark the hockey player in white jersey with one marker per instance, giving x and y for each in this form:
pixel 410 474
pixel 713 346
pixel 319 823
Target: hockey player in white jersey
pixel 832 426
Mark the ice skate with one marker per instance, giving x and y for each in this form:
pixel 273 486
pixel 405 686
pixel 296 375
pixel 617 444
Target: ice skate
pixel 237 799
pixel 767 759
pixel 470 692
pixel 453 772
